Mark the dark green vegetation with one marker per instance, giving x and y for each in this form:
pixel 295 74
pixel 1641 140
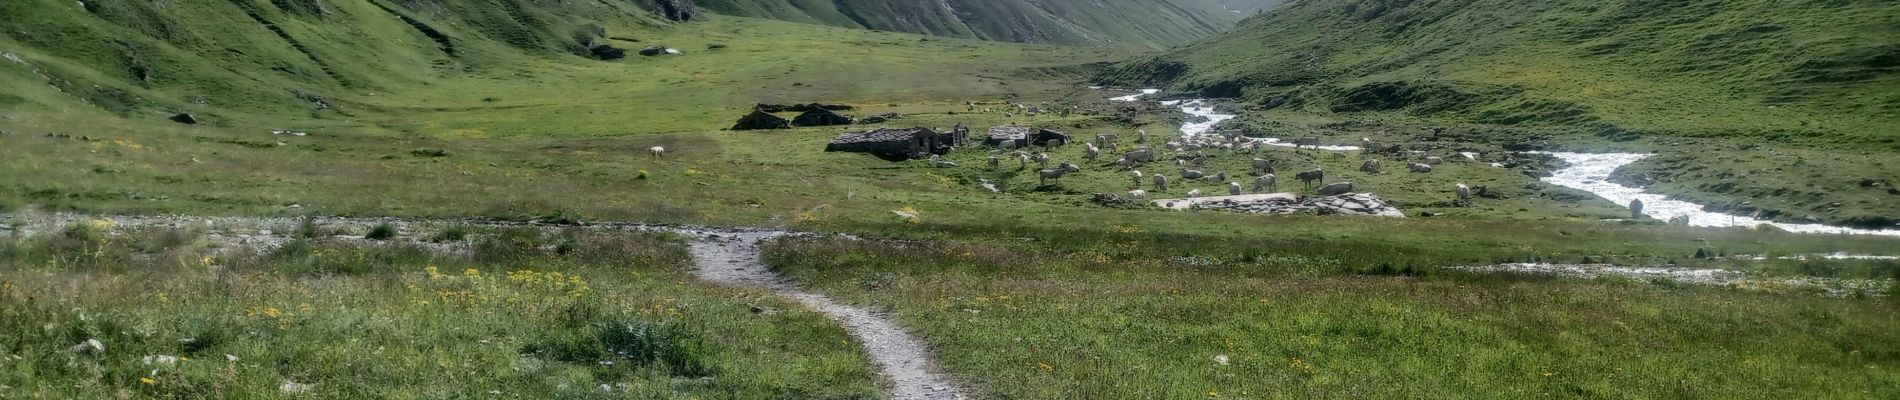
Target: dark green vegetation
pixel 520 314
pixel 1120 23
pixel 1116 319
pixel 1788 105
pixel 494 109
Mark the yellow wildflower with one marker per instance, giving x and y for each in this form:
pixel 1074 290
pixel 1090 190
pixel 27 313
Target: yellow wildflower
pixel 147 380
pixel 272 312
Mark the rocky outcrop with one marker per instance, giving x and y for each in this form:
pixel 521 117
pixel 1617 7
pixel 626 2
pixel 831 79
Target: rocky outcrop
pixel 1346 204
pixel 676 10
pixel 760 120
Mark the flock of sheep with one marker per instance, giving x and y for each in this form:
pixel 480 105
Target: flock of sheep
pixel 1190 157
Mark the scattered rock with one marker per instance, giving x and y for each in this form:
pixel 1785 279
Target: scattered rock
pixel 715 46
pixel 1347 204
pixel 185 118
pixel 1421 168
pixel 651 51
pixel 779 108
pixel 606 52
pixel 879 119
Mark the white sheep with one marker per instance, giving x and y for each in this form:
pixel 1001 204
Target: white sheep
pixel 1421 168
pixel 1194 193
pixel 656 152
pixel 1022 160
pixel 1091 152
pixel 1141 136
pixel 1137 176
pixel 995 161
pixel 1192 174
pixel 1233 188
pixel 1262 165
pixel 1265 182
pixel 1161 183
pixel 1372 167
pixel 1434 160
pixel 1042 159
pixel 1137 194
pixel 1057 173
pixel 1464 193
pixel 1219 177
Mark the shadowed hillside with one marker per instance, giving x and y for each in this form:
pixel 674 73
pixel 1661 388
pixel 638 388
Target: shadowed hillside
pixel 1131 23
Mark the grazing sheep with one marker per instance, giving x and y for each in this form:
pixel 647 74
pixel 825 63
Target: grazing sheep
pixel 1636 209
pixel 1022 160
pixel 1194 193
pixel 1192 174
pixel 1464 193
pixel 1421 168
pixel 1220 177
pixel 1198 161
pixel 1142 155
pixel 1141 136
pixel 1042 159
pixel 1307 178
pixel 1106 140
pixel 1137 176
pixel 1265 182
pixel 1057 173
pixel 1309 141
pixel 1124 163
pixel 656 152
pixel 1091 152
pixel 1336 189
pixel 1261 165
pixel 994 161
pixel 1233 188
pixel 1679 220
pixel 1137 194
pixel 1161 183
pixel 1434 160
pixel 1372 167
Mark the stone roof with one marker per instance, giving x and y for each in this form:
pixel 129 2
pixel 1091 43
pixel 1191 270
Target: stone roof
pixel 1009 132
pixel 880 135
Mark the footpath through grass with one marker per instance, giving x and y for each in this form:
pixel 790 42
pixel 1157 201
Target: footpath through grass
pixel 1063 323
pixel 95 312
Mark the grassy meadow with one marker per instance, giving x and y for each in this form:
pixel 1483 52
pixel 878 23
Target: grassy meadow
pixel 494 314
pixel 1082 321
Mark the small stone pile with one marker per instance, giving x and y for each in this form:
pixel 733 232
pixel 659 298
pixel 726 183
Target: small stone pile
pixel 1345 204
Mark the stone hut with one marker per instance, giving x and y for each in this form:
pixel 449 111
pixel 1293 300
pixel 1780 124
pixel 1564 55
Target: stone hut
pixel 1007 133
pixel 761 120
pixel 821 117
pixel 900 144
pixel 1045 137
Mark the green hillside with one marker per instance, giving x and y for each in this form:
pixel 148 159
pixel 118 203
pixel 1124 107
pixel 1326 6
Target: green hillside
pixel 1127 23
pixel 1808 77
pixel 299 64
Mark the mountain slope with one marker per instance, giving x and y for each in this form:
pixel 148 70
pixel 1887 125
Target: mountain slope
pixel 1785 109
pixel 1826 68
pixel 1132 23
